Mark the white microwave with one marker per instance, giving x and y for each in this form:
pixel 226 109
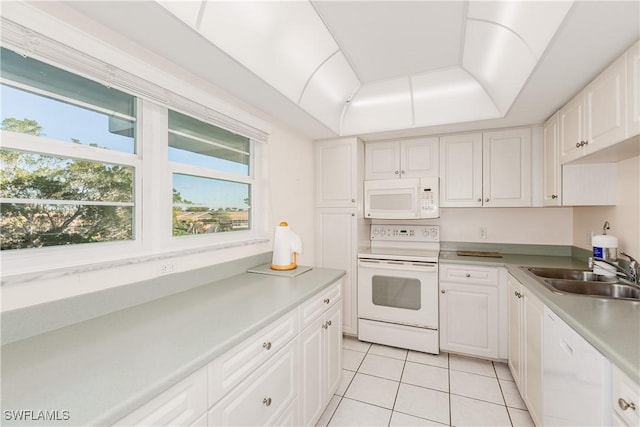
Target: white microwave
pixel 409 198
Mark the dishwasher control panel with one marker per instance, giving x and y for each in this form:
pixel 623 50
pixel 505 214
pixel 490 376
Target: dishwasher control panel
pixel 406 233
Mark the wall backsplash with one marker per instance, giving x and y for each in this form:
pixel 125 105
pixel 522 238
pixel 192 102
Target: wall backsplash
pixel 624 217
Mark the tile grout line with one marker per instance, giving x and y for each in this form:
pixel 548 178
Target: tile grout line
pixel 393 407
pixel 502 393
pixel 449 379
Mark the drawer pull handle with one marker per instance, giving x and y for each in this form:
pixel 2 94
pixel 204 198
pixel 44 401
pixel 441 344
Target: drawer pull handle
pixel 266 401
pixel 325 326
pixel 329 323
pixel 267 345
pixel 624 405
pixel 327 300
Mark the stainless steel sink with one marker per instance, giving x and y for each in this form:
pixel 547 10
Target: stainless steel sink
pixel 583 282
pixel 599 289
pixel 570 274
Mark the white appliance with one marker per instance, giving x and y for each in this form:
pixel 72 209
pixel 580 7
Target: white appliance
pixel 398 287
pixel 410 198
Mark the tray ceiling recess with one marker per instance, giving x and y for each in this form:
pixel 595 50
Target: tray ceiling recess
pixel 431 63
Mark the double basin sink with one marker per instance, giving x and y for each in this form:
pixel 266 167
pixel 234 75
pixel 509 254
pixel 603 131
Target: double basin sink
pixel 583 282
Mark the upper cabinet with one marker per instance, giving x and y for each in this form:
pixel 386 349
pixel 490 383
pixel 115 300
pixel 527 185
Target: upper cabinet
pixel 339 188
pixel 491 169
pixel 552 174
pixel 413 158
pixel 633 90
pixel 596 117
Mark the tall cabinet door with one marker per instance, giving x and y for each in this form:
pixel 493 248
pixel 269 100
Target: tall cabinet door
pixel 461 170
pixel 339 187
pixel 507 168
pixel 336 248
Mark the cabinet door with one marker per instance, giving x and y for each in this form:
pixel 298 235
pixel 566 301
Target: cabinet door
pixel 336 248
pixel 533 317
pixel 606 107
pixel 552 184
pixel 461 170
pixel 333 350
pixel 382 160
pixel 312 372
pixel 514 352
pixel 633 90
pixel 336 173
pixel 506 168
pixel 572 118
pixel 469 319
pixel 419 157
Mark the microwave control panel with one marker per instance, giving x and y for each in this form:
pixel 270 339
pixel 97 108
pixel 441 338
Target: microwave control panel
pixel 406 233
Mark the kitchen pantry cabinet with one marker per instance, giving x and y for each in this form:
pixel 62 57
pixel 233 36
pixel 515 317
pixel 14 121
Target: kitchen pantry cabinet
pixel 525 350
pixel 490 169
pixel 470 314
pixel 339 222
pixel 413 158
pixel 597 116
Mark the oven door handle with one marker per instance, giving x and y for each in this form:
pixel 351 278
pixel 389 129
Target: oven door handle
pixel 398 265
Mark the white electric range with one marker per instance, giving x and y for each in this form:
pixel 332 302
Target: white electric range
pixel 398 287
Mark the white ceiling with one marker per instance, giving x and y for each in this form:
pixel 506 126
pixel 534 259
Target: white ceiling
pixel 409 68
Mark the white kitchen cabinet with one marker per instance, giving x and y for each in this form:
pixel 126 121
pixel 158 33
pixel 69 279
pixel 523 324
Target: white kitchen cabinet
pixel 461 170
pixel 321 364
pixel 526 316
pixel 264 397
pixel 633 90
pixel 183 404
pixel 412 158
pixel 552 174
pixel 340 224
pixel 597 116
pixel 469 310
pixel 491 169
pixel 577 378
pixel 337 181
pixel 625 398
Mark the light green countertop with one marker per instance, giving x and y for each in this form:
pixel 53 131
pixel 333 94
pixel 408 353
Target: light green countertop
pixel 101 369
pixel 611 326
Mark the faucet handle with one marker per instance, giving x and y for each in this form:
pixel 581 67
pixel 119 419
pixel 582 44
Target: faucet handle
pixel 632 259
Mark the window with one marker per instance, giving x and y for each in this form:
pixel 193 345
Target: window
pixel 211 177
pixel 68 158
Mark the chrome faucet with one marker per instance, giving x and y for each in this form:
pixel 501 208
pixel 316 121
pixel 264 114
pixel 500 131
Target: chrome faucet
pixel 632 274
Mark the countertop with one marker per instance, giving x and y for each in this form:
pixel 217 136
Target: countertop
pixel 611 326
pixel 102 369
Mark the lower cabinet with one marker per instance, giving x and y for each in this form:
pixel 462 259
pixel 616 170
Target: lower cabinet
pixel 469 310
pixel 320 363
pixel 282 375
pixel 525 350
pixel 625 399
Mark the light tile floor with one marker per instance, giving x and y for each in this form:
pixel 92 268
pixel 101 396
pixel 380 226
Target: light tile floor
pixel 386 386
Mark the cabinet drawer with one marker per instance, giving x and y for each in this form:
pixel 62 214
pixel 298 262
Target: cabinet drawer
pixel 458 273
pixel 233 366
pixel 626 392
pixel 263 397
pixel 180 405
pixel 319 303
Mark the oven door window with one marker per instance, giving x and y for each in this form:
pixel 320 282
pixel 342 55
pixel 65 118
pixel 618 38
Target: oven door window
pixel 396 292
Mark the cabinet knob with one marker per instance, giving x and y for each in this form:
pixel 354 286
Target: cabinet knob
pixel 479 200
pixel 267 345
pixel 353 200
pixel 266 401
pixel 397 172
pixel 328 322
pixel 486 200
pixel 578 144
pixel 442 291
pixel 324 325
pixel 586 142
pixel 327 300
pixel 624 405
pixel 467 275
pixel 553 196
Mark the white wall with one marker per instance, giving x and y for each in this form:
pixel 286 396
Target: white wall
pixel 291 171
pixel 624 217
pixel 536 226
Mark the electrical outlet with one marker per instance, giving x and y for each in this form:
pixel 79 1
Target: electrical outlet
pixel 166 268
pixel 483 232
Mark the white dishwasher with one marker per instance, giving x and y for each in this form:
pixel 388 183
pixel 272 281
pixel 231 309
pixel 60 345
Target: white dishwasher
pixel 576 378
